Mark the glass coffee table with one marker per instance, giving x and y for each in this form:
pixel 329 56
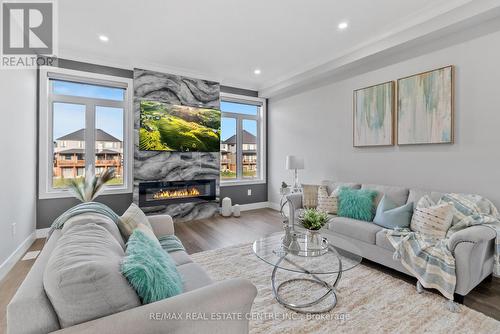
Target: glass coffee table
pixel 321 273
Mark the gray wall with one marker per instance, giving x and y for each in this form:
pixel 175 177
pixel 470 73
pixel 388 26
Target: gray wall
pixel 317 124
pixel 239 194
pixel 239 91
pixel 50 209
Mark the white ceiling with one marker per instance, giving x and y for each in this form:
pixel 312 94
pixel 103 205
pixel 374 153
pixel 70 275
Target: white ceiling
pixel 225 40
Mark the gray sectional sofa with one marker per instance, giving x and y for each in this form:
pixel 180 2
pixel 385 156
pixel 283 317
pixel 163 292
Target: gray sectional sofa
pixel 32 312
pixel 472 247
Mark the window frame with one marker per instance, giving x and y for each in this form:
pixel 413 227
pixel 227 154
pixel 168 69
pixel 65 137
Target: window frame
pixel 261 119
pixel 46 99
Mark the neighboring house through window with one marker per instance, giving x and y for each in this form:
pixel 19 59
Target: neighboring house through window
pixel 242 146
pixel 85 124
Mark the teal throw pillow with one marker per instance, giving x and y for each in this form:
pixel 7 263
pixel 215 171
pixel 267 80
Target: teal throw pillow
pixel 149 269
pixel 356 203
pixel 390 215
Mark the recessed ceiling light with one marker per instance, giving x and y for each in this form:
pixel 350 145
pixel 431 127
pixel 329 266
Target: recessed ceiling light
pixel 103 38
pixel 256 71
pixel 343 25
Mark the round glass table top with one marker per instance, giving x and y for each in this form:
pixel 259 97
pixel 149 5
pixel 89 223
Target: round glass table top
pixel 270 249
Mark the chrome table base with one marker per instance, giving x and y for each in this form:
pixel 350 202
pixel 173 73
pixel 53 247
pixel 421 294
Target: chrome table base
pixel 302 308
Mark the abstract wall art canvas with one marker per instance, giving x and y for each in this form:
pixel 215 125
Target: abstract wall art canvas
pixel 374 115
pixel 425 108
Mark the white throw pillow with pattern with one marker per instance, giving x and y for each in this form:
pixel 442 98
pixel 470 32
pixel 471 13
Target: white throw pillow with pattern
pixel 430 219
pixel 310 195
pixel 328 203
pixel 131 219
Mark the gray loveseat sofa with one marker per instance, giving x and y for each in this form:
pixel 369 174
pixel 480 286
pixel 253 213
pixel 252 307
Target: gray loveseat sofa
pixel 472 247
pixel 31 310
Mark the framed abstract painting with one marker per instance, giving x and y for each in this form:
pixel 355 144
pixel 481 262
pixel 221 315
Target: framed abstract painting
pixel 425 108
pixel 373 115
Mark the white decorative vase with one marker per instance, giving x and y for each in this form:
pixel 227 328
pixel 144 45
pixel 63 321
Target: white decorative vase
pixel 236 210
pixel 226 207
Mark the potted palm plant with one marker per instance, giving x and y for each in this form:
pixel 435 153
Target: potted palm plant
pixel 86 189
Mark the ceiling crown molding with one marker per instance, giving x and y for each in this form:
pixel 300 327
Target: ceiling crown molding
pixel 69 54
pixel 414 34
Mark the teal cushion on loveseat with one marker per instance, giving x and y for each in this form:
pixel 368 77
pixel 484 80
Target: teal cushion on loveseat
pixel 356 203
pixel 150 269
pixel 390 215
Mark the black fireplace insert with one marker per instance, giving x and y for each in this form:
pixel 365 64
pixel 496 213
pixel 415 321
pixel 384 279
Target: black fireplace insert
pixel 172 192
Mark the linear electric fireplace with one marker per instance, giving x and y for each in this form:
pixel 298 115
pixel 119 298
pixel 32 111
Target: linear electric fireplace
pixel 172 192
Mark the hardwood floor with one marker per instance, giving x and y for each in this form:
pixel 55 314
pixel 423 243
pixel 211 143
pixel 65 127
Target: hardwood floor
pixel 218 232
pixel 10 284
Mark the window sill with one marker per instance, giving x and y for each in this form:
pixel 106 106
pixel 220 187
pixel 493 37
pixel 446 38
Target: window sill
pixel 69 194
pixel 241 183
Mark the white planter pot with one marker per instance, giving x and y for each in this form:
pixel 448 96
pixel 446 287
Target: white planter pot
pixel 236 210
pixel 226 207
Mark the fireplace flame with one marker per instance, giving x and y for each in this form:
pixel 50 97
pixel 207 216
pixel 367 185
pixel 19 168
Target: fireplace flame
pixel 167 194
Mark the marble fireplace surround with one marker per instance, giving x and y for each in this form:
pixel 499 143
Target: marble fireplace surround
pixel 175 166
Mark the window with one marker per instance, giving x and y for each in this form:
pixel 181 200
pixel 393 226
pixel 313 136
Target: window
pixel 242 147
pixel 85 123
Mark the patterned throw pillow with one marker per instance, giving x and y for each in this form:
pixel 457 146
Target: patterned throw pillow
pixel 432 220
pixel 310 195
pixel 328 203
pixel 130 219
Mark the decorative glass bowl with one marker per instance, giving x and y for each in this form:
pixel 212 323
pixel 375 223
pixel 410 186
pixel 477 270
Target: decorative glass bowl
pixel 306 244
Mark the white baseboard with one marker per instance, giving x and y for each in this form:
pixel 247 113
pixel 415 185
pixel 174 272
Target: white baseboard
pixel 11 261
pixel 258 205
pixel 42 233
pixel 254 206
pixel 274 206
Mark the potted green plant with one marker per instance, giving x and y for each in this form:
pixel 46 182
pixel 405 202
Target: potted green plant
pixel 313 220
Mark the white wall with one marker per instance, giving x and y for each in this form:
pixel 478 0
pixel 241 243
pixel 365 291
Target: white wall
pixel 18 161
pixel 317 124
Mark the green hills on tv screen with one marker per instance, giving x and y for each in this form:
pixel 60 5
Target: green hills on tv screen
pixel 178 128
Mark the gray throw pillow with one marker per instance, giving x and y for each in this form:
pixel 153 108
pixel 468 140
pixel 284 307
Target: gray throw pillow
pixel 82 278
pixel 391 216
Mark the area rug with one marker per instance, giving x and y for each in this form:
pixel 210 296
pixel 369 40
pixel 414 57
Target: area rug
pixel 369 301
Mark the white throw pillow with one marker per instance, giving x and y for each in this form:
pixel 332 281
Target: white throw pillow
pixel 148 232
pixel 130 219
pixel 328 203
pixel 310 195
pixel 430 219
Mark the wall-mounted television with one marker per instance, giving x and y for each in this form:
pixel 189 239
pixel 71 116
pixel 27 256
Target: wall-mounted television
pixel 177 128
